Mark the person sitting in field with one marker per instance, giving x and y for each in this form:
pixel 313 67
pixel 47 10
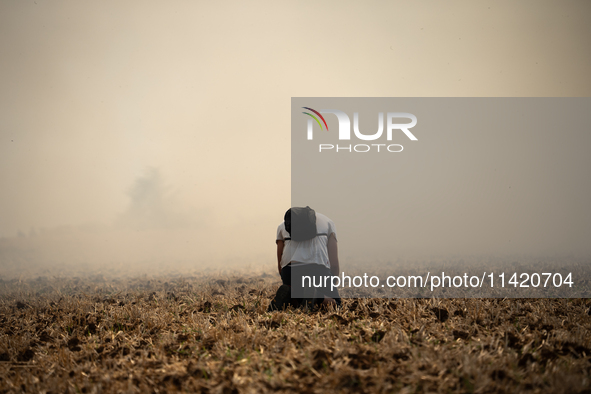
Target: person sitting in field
pixel 306 249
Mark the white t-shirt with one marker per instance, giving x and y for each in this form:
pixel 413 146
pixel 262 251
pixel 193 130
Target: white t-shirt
pixel 312 251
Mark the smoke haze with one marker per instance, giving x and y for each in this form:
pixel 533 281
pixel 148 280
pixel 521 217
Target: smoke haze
pixel 157 134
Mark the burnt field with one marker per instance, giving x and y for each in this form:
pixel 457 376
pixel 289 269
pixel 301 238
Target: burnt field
pixel 212 333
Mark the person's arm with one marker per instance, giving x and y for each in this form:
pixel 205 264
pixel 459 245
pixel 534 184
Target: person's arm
pixel 333 255
pixel 280 245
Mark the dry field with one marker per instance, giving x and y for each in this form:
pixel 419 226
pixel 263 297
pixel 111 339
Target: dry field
pixel 212 333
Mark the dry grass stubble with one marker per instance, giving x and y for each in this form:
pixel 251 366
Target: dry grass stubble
pixel 205 333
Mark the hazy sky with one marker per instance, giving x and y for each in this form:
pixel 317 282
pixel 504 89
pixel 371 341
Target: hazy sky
pixel 187 103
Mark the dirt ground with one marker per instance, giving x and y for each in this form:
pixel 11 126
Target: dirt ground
pixel 212 333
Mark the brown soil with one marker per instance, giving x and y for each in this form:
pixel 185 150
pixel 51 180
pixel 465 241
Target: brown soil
pixel 196 334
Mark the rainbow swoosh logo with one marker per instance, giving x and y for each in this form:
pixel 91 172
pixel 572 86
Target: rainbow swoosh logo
pixel 315 118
